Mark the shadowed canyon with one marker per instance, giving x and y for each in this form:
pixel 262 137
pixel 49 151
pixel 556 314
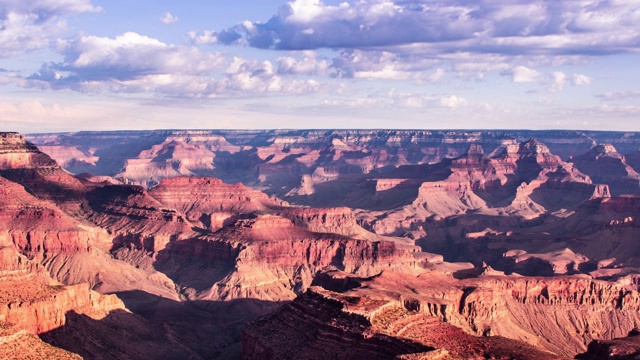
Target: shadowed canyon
pixel 320 244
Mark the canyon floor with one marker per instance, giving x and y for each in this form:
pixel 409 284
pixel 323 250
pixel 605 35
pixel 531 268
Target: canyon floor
pixel 320 244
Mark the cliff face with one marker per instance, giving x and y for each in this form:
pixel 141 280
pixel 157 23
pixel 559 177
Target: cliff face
pixel 32 301
pixel 606 166
pixel 559 315
pixel 134 218
pixel 270 258
pixel 290 161
pixel 220 254
pixel 521 180
pixel 321 324
pixel 211 203
pixel 18 344
pixel 37 226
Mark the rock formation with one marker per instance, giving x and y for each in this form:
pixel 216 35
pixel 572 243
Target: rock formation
pixel 205 231
pixel 605 165
pixel 575 310
pixel 622 348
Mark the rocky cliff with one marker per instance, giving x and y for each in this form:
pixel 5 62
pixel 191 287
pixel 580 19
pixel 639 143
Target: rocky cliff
pixel 269 258
pixel 606 166
pixel 325 325
pixel 201 256
pixel 34 302
pixel 560 315
pixel 282 161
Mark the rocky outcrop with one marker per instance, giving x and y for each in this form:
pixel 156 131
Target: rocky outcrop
pixel 270 258
pixel 134 218
pixel 332 220
pixel 293 159
pixel 520 180
pixel 32 301
pixel 210 202
pixel 561 314
pixel 37 227
pixel 23 163
pixel 18 344
pixel 324 325
pixel 621 348
pixel 606 166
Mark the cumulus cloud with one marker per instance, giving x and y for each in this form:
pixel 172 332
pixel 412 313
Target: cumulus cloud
pixel 580 79
pixel 167 18
pixel 205 38
pixel 484 26
pixel 558 81
pixel 453 101
pixel 136 63
pixel 310 64
pixel 522 74
pixel 32 24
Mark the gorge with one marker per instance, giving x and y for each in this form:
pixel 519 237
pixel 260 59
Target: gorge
pixel 294 244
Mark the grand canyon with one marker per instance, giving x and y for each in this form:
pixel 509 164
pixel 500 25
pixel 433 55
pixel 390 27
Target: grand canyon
pixel 320 244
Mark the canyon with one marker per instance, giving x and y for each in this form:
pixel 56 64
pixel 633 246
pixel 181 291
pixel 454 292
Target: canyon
pixel 320 244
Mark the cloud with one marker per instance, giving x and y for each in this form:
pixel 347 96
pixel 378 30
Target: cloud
pixel 509 27
pixel 206 38
pixel 522 74
pixel 31 24
pixel 453 101
pixel 623 95
pixel 168 19
pixel 311 64
pixel 580 79
pixel 136 63
pixel 558 81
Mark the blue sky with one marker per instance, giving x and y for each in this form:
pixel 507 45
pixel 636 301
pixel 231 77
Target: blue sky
pixel 70 65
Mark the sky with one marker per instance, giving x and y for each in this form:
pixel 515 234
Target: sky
pixel 72 65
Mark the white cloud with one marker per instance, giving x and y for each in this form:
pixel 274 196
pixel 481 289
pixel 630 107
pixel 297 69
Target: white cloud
pixel 206 38
pixel 580 79
pixel 310 64
pixel 522 74
pixel 436 75
pixel 31 24
pixel 136 63
pixel 558 81
pixel 386 73
pixel 453 101
pixel 507 27
pixel 167 18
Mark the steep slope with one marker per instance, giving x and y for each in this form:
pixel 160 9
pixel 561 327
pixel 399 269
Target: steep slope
pixel 606 166
pixel 211 203
pixel 19 344
pixel 321 324
pixel 560 315
pixel 296 162
pixel 37 226
pixel 521 180
pixel 23 163
pixel 269 258
pixel 134 218
pixel 34 302
pixel 621 348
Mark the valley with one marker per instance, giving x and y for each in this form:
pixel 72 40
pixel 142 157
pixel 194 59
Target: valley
pixel 316 244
